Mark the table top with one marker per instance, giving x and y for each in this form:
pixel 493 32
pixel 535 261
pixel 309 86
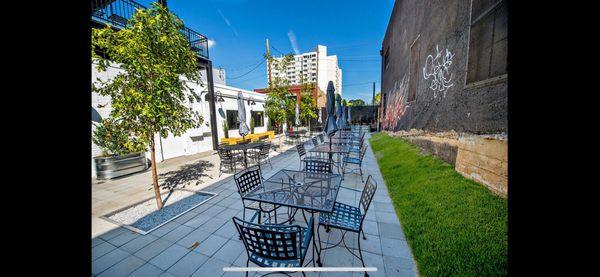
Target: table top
pixel 325 148
pixel 243 146
pixel 299 189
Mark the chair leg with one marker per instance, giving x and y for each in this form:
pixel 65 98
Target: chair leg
pixel 320 247
pixel 275 215
pixel 361 257
pixel 363 234
pixel 247 262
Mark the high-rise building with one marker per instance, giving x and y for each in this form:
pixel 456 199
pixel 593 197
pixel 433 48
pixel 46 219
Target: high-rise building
pixel 304 69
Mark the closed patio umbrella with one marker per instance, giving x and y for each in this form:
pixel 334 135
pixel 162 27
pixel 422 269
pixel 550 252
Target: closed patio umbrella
pixel 330 125
pixel 243 129
pixel 339 114
pixel 297 118
pixel 345 115
pixel 349 115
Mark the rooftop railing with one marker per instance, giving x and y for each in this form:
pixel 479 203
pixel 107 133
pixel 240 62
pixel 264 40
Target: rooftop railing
pixel 117 12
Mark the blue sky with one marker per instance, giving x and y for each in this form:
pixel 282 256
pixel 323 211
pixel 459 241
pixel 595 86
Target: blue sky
pixel 352 30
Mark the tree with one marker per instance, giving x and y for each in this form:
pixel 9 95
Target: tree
pixel 150 95
pixel 308 105
pixel 356 102
pixel 377 98
pixel 279 105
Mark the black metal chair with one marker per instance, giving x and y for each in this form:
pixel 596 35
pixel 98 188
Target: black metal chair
pixel 348 218
pixel 321 139
pixel 229 159
pixel 302 155
pixel 318 166
pixel 357 161
pixel 261 155
pixel 272 245
pixel 246 181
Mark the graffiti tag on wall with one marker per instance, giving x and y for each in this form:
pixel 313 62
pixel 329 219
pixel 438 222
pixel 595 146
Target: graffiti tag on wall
pixel 395 105
pixel 437 67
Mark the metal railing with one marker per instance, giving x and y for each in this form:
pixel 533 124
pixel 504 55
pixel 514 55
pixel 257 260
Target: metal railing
pixel 117 12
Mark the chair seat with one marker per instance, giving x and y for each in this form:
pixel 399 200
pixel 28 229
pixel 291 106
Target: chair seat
pixel 344 217
pixel 267 207
pixel 351 160
pixel 266 262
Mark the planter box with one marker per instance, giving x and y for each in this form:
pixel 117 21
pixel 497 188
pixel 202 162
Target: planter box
pixel 116 166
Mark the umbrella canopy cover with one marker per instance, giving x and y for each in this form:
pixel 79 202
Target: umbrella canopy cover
pixel 339 114
pixel 345 115
pixel 330 125
pixel 297 119
pixel 349 115
pixel 243 129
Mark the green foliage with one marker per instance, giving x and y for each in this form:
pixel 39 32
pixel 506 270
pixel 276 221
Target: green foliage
pixel 452 224
pixel 114 140
pixel 149 96
pixel 377 98
pixel 308 105
pixel 225 129
pixel 252 125
pixel 356 102
pixel 280 102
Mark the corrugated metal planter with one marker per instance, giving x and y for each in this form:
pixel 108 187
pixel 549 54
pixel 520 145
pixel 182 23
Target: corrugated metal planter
pixel 116 166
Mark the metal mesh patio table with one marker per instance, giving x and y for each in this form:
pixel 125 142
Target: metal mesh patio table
pixel 330 149
pixel 308 191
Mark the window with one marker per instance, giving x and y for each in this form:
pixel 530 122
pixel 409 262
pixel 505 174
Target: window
pixel 386 58
pixel 414 71
pixel 488 40
pixel 258 117
pixel 232 120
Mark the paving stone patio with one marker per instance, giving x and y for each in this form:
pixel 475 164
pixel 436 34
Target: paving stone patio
pixel 203 241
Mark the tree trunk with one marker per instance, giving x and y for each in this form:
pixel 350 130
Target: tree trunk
pixel 159 202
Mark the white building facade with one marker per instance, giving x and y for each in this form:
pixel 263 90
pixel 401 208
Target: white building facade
pixel 304 68
pixel 195 140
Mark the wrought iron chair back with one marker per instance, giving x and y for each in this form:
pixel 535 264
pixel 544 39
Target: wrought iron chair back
pixel 320 136
pixel 267 243
pixel 264 150
pixel 301 150
pixel 367 196
pixel 318 166
pixel 248 180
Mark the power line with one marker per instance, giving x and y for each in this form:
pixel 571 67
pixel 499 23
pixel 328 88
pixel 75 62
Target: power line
pixel 237 77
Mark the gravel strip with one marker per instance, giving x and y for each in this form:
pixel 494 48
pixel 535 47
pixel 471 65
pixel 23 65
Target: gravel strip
pixel 145 216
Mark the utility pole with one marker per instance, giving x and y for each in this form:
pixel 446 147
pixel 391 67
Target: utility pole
pixel 373 100
pixel 269 62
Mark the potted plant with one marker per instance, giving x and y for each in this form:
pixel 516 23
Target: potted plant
pixel 121 154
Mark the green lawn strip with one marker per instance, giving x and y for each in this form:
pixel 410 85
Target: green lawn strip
pixel 453 225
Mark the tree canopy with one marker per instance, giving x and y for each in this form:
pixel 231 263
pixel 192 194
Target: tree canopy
pixel 149 94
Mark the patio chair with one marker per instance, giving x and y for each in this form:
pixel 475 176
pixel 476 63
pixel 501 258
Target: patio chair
pixel 357 161
pixel 348 218
pixel 230 159
pixel 318 166
pixel 246 181
pixel 314 141
pixel 272 245
pixel 302 155
pixel 261 155
pixel 321 139
pixel 356 147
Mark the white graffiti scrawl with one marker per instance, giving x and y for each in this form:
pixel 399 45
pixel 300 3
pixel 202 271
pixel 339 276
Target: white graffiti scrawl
pixel 438 69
